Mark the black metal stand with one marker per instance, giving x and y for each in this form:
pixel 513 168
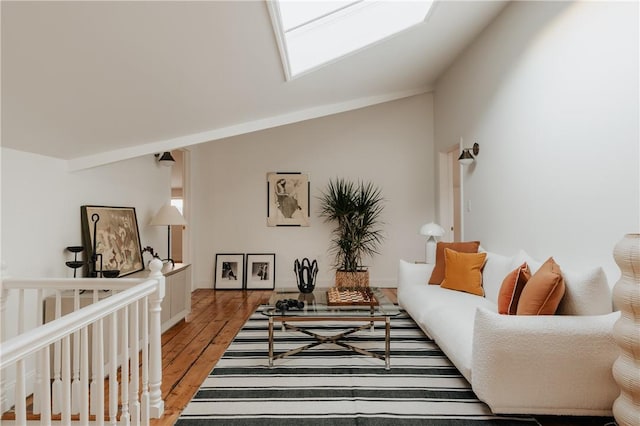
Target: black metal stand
pixel 95 272
pixel 75 263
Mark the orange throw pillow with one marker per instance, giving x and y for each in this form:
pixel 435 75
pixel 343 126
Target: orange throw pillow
pixel 511 288
pixel 543 292
pixel 463 271
pixel 463 247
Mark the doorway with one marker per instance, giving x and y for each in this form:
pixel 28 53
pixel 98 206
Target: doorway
pixel 450 194
pixel 179 193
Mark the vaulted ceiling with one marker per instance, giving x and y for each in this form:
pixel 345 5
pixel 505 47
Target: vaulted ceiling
pixel 96 82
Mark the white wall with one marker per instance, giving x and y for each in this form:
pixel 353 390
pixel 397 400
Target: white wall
pixel 41 207
pixel 550 92
pixel 390 144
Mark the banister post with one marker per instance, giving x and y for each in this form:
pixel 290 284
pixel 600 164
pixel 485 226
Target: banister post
pixel 156 404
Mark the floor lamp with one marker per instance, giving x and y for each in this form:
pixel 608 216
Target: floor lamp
pixel 168 215
pixel 433 232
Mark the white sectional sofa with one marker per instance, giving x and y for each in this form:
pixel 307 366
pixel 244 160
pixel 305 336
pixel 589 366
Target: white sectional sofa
pixel 554 364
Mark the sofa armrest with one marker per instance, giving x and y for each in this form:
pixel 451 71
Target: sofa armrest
pixel 410 274
pixel 545 364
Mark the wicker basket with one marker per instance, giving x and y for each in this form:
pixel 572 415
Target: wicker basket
pixel 352 279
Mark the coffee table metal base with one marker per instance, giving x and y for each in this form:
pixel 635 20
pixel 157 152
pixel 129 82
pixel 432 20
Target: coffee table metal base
pixel 335 339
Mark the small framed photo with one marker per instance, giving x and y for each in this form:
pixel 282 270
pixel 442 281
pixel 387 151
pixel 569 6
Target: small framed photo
pixel 261 271
pixel 288 199
pixel 229 273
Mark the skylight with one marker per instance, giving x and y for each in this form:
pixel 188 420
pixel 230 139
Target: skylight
pixel 313 33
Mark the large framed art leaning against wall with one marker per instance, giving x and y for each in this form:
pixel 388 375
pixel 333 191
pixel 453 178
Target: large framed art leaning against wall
pixel 111 240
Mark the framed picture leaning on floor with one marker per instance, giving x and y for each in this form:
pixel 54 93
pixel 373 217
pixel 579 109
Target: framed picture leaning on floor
pixel 260 271
pixel 229 271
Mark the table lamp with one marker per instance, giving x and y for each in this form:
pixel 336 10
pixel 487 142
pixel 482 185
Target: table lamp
pixel 433 232
pixel 168 215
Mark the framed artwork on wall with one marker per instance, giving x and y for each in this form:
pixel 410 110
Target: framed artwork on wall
pixel 229 271
pixel 261 271
pixel 111 233
pixel 288 199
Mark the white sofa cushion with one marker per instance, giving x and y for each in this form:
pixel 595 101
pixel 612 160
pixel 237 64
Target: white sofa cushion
pixel 495 270
pixel 586 293
pixel 448 317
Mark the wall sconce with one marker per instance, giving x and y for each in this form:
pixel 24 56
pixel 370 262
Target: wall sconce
pixel 433 231
pixel 466 157
pixel 166 159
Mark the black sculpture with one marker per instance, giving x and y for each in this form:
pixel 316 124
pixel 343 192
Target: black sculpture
pixel 306 273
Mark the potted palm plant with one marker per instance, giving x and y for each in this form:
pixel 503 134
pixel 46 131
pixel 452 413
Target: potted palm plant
pixel 355 208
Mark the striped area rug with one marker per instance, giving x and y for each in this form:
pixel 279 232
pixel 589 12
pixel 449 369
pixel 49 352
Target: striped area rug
pixel 330 386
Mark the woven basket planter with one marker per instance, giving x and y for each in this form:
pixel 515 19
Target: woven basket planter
pixel 352 279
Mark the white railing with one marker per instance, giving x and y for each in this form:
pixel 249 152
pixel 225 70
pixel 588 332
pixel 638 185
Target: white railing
pixel 63 366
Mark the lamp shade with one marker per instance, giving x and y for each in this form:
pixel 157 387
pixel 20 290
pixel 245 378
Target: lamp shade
pixel 432 229
pixel 168 215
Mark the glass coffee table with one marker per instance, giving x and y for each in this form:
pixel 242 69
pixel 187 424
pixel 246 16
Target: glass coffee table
pixel 318 309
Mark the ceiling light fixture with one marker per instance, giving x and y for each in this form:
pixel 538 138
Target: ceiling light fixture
pixel 166 159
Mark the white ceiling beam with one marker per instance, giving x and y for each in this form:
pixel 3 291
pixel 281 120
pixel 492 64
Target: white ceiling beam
pixel 108 157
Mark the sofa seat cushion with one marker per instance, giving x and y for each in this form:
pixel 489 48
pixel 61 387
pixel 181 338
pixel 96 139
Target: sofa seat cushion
pixel 447 316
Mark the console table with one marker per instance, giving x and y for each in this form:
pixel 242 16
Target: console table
pixel 176 304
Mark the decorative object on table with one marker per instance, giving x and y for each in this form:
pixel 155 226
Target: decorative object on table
pixel 287 304
pixel 288 199
pixel 151 251
pixel 626 331
pixel 351 296
pixel 168 216
pixel 433 231
pixel 75 263
pixel 356 210
pixel 306 273
pixel 111 240
pixel 260 271
pixel 229 271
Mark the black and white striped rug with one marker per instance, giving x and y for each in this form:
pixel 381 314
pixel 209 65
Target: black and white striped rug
pixel 330 386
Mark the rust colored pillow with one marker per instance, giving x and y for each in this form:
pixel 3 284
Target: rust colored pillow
pixel 543 292
pixel 463 271
pixel 463 247
pixel 511 288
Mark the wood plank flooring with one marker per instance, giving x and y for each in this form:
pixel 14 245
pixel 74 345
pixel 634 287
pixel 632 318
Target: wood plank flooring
pixel 191 349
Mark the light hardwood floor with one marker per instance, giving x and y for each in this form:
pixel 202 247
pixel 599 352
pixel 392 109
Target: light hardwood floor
pixel 191 349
